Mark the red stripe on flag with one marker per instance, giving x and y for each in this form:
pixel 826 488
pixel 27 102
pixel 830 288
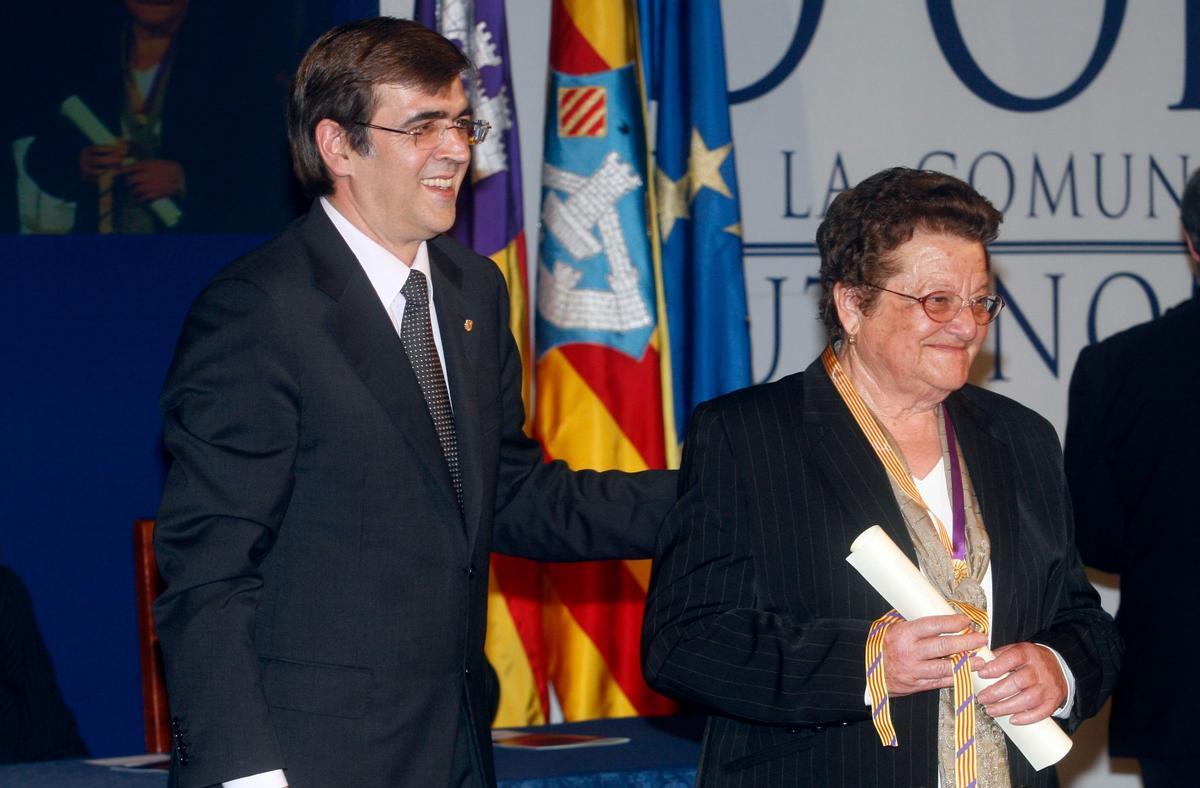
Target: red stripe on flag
pixel 607 602
pixel 520 239
pixel 570 51
pixel 596 127
pixel 520 581
pixel 580 129
pixel 631 390
pixel 585 118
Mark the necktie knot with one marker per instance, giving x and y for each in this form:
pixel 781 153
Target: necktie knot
pixel 414 289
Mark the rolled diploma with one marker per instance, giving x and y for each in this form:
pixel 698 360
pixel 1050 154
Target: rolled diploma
pixel 94 129
pixel 893 575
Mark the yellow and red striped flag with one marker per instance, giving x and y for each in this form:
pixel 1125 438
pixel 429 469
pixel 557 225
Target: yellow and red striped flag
pixel 600 383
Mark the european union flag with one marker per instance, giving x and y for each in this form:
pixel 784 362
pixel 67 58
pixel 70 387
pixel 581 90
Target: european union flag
pixel 699 223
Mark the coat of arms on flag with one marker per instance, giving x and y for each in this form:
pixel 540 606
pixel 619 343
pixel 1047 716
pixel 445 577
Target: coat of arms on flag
pixel 583 111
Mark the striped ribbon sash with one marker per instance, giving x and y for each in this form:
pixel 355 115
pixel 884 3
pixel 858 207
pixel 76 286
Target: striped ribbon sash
pixel 104 207
pixel 964 696
pixel 892 463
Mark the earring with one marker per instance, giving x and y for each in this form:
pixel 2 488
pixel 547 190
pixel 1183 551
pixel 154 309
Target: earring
pixel 852 339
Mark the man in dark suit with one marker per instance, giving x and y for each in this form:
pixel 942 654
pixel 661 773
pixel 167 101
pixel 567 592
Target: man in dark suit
pixel 1132 457
pixel 345 414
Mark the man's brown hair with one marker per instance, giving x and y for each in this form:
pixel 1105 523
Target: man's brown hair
pixel 337 80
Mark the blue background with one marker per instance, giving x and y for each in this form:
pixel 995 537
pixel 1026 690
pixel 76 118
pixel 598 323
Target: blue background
pixel 88 325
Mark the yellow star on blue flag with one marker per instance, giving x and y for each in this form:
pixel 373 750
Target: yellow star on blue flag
pixel 704 286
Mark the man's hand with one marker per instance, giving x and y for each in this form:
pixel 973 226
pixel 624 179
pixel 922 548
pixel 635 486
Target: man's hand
pixel 914 652
pixel 97 160
pixel 154 178
pixel 1034 689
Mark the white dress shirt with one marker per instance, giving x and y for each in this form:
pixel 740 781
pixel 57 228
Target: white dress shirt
pixel 388 274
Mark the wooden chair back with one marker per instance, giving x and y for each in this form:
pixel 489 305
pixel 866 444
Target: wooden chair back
pixel 155 712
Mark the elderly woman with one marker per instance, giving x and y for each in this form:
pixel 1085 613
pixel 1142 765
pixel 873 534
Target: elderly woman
pixel 754 613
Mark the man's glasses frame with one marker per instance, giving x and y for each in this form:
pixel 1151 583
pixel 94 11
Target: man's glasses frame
pixel 942 306
pixel 429 135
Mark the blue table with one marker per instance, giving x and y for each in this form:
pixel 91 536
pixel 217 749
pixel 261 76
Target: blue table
pixel 662 753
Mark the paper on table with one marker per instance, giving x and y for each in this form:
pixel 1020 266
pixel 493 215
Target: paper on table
pixel 94 129
pixel 532 740
pixel 133 761
pixel 893 575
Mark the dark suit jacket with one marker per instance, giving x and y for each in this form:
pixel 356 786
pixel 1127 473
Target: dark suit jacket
pixel 754 613
pixel 1133 458
pixel 325 600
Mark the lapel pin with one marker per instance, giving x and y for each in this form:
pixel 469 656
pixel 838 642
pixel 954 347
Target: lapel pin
pixel 468 324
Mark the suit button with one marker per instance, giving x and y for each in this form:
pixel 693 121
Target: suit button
pixel 467 672
pixel 793 730
pixel 470 572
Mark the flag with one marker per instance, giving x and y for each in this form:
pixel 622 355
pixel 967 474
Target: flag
pixel 490 221
pixel 600 398
pixel 699 225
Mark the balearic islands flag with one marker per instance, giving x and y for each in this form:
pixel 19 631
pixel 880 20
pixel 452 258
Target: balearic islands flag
pixel 490 221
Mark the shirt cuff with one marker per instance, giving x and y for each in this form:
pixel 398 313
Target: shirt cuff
pixel 1063 712
pixel 271 779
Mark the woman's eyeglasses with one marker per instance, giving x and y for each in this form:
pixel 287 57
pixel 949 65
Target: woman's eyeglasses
pixel 943 306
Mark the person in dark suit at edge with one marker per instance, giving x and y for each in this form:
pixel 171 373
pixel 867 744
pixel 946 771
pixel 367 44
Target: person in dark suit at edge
pixel 1132 456
pixel 753 611
pixel 344 412
pixel 35 722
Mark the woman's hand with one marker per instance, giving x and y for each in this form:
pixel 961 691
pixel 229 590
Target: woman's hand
pixel 97 160
pixel 1034 689
pixel 914 652
pixel 154 178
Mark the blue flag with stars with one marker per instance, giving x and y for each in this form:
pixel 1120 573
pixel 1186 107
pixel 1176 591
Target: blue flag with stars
pixel 699 223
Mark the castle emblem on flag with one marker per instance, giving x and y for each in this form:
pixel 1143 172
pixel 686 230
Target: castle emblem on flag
pixel 583 111
pixel 491 104
pixel 590 204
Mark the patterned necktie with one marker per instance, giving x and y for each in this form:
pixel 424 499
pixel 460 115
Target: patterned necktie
pixel 416 333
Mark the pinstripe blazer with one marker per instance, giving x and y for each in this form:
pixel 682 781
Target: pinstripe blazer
pixel 754 614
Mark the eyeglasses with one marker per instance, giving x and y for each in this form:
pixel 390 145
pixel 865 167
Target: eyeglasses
pixel 943 306
pixel 429 135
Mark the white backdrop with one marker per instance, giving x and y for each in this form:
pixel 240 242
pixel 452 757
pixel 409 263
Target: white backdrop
pixel 1060 111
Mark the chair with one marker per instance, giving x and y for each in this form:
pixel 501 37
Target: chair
pixel 155 712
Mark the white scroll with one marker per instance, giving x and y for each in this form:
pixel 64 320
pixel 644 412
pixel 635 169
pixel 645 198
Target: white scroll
pixel 893 575
pixel 94 129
